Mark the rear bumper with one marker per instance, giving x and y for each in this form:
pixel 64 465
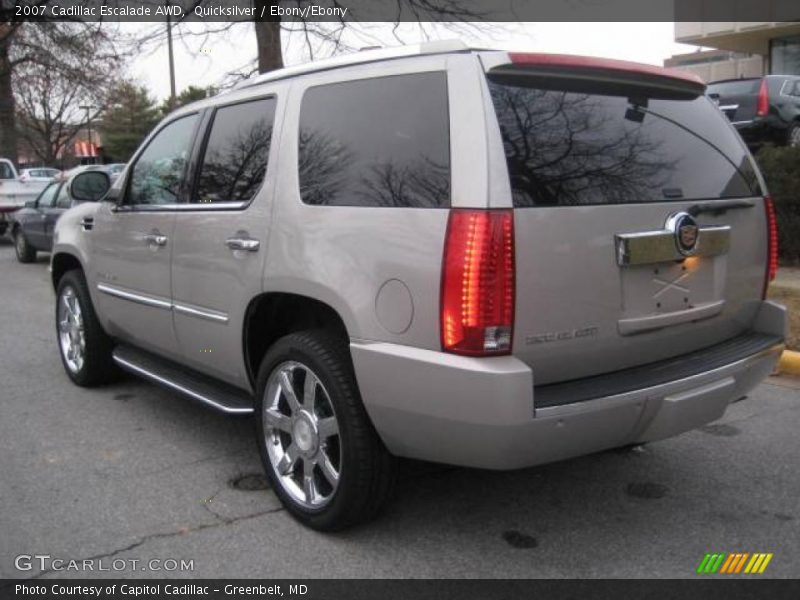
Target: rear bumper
pixel 482 412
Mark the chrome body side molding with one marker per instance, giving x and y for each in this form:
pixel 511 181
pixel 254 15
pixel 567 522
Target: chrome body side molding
pixel 202 313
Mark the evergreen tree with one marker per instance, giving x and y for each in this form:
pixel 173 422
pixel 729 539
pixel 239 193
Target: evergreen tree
pixel 129 116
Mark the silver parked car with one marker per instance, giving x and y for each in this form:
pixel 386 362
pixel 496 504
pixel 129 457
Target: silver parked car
pixel 477 258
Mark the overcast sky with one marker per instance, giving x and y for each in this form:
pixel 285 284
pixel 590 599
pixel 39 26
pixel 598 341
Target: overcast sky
pixel 204 61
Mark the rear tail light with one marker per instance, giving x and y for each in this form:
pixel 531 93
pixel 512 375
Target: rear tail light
pixel 772 243
pixel 477 303
pixel 762 104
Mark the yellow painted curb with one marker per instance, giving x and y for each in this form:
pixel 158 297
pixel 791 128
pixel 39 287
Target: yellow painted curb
pixel 789 363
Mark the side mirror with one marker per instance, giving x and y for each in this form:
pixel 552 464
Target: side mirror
pixel 90 186
pixel 30 204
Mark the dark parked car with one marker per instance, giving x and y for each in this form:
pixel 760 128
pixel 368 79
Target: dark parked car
pixel 763 110
pixel 33 224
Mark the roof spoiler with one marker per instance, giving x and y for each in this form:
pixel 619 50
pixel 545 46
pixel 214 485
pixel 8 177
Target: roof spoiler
pixel 576 73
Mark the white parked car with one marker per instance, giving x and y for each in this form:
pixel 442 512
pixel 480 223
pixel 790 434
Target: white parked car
pixel 39 174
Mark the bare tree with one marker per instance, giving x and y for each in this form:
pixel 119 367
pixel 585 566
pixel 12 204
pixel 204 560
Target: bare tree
pixel 326 38
pixel 50 94
pixel 68 62
pixel 8 124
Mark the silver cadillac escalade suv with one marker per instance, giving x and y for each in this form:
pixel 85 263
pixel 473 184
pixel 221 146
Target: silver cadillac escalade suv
pixel 479 258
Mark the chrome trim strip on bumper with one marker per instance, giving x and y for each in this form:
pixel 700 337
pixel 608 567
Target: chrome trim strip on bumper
pixel 177 387
pixel 211 315
pixel 650 247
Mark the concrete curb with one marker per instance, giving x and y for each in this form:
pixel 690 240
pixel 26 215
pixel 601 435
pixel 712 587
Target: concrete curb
pixel 789 363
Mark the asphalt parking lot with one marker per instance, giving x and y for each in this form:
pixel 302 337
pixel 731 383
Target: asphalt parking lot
pixel 134 472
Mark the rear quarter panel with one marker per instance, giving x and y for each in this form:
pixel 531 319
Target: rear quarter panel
pixel 344 256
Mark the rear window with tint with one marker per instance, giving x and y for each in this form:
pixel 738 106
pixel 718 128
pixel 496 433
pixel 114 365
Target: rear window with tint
pixel 731 88
pixel 380 142
pixel 569 148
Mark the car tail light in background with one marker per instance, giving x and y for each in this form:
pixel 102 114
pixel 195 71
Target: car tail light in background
pixel 477 302
pixel 772 243
pixel 762 104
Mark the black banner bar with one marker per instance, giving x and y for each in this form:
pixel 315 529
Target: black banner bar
pixel 358 589
pixel 197 11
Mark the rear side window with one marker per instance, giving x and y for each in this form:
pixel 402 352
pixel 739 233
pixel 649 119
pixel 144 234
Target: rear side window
pixel 581 148
pixel 235 159
pixel 5 171
pixel 791 87
pixel 376 142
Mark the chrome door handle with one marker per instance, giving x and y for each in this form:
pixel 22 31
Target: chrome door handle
pixel 243 244
pixel 156 238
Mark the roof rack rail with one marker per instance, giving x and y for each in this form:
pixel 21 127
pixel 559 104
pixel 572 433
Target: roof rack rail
pixel 356 58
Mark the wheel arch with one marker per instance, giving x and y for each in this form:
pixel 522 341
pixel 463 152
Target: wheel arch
pixel 62 262
pixel 272 315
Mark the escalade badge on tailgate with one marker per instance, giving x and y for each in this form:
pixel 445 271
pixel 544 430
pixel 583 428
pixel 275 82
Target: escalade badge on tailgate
pixel 686 232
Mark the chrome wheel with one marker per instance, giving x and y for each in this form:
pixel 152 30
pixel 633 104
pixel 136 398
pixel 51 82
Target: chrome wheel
pixel 302 435
pixel 71 334
pixel 20 244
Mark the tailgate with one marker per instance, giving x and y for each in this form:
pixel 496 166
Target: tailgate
pixel 639 221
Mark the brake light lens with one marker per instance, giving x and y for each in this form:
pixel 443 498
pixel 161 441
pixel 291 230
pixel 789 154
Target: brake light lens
pixel 772 243
pixel 762 104
pixel 477 297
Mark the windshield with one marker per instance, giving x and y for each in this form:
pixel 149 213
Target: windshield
pixel 579 147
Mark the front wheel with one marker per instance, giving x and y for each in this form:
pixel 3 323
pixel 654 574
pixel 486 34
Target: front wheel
pixel 321 454
pixel 84 347
pixel 25 252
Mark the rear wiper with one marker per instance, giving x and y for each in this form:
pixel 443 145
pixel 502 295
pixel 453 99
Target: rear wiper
pixel 718 208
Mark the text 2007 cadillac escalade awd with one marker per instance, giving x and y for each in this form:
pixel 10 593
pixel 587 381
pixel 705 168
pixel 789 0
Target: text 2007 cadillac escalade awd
pixel 471 257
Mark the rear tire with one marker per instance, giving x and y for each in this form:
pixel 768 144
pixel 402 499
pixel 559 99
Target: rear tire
pixel 25 252
pixel 320 451
pixel 84 347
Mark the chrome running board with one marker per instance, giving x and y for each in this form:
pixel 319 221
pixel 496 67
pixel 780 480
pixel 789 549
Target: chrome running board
pixel 219 396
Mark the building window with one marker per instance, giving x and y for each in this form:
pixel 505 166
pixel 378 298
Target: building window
pixel 784 56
